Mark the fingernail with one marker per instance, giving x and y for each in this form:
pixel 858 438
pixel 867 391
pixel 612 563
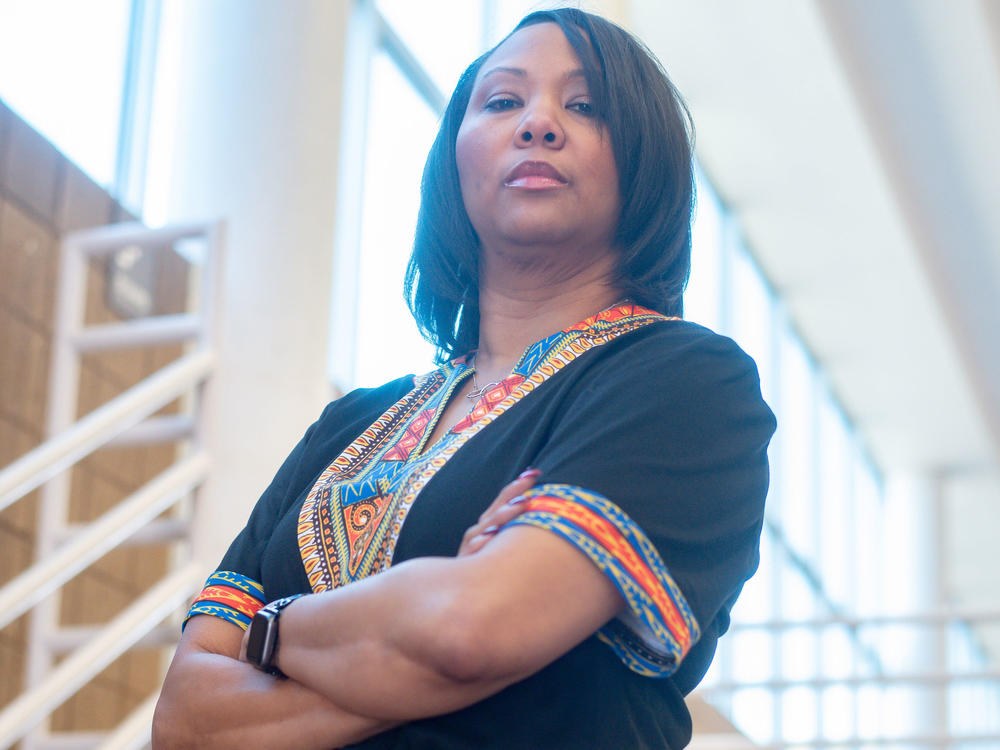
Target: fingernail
pixel 517 500
pixel 529 473
pixel 490 530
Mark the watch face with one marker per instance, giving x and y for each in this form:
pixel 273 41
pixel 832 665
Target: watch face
pixel 260 644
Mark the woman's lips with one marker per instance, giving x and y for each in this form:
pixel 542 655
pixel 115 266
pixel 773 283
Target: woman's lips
pixel 534 175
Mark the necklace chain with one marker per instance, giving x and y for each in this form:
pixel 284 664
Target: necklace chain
pixel 476 393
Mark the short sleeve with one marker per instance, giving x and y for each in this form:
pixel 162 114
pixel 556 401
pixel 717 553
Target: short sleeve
pixel 657 471
pixel 235 591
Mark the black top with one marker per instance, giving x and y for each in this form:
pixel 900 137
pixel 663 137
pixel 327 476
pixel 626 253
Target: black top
pixel 655 423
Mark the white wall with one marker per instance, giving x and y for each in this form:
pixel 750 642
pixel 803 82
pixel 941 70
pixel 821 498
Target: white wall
pixel 259 106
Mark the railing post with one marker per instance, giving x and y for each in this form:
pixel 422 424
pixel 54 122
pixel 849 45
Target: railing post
pixel 913 582
pixel 54 497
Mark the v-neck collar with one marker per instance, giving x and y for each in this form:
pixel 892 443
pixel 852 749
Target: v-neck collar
pixel 350 521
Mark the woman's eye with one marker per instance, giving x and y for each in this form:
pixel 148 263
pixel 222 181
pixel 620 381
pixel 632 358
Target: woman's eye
pixel 501 103
pixel 584 108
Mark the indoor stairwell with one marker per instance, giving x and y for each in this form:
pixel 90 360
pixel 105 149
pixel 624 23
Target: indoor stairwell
pixel 61 659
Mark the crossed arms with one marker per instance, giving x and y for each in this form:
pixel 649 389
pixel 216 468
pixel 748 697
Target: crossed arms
pixel 426 637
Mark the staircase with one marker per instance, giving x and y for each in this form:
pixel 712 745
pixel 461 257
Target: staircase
pixel 60 660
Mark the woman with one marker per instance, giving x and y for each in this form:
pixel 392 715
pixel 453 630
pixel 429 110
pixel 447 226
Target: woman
pixel 560 581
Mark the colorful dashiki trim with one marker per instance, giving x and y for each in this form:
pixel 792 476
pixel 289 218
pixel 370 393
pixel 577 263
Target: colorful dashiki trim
pixel 658 629
pixel 230 596
pixel 351 519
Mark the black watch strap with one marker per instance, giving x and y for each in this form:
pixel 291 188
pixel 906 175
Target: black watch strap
pixel 262 642
pixel 279 604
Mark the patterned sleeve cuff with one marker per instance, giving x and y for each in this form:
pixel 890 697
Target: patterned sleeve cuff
pixel 230 596
pixel 657 630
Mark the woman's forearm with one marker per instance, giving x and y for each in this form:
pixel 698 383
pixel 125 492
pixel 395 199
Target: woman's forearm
pixel 215 701
pixel 380 646
pixel 433 635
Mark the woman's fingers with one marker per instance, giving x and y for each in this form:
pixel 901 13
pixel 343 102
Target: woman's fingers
pixel 509 503
pixel 524 482
pixel 493 523
pixel 475 543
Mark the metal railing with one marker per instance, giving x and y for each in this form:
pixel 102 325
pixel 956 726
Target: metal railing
pixel 63 550
pixel 938 679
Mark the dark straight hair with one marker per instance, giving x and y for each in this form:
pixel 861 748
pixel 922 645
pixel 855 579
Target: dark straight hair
pixel 651 135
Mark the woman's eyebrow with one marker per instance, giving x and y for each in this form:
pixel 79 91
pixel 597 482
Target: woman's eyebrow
pixel 521 73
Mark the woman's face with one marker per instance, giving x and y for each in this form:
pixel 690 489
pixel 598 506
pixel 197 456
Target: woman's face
pixel 536 168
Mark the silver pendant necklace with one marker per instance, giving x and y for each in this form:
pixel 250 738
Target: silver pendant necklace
pixel 477 393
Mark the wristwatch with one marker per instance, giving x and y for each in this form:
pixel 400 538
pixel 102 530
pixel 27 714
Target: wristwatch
pixel 262 643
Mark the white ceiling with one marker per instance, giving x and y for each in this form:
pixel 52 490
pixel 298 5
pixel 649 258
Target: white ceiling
pixel 858 142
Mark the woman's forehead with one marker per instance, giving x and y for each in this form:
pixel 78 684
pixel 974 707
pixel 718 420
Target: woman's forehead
pixel 541 43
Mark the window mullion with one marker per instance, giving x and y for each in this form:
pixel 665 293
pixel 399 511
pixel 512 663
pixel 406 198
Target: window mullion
pixel 133 122
pixel 414 72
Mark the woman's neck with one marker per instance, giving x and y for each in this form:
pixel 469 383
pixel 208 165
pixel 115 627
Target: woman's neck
pixel 519 305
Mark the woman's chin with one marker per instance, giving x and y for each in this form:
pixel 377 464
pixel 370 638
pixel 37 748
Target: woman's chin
pixel 531 232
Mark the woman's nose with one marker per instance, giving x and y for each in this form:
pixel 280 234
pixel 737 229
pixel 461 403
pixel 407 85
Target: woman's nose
pixel 539 127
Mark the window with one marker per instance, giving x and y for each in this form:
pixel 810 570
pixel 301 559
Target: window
pixel 79 72
pixel 415 55
pixel 387 335
pixel 703 296
pixel 823 492
pixel 442 37
pixel 821 551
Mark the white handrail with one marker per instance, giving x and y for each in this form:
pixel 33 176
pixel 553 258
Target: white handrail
pixel 101 536
pixel 31 707
pixel 159 329
pixel 101 425
pixel 720 741
pixel 933 741
pixel 107 239
pixel 70 637
pixel 169 428
pixel 928 619
pixel 154 532
pixel 820 683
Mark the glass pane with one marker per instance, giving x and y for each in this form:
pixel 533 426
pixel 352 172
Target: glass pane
pixel 702 300
pixel 750 316
pixel 835 502
pixel 867 538
pixel 798 598
pixel 753 713
pixel 388 343
pixel 869 711
pixel 796 467
pixel 443 35
pixel 799 714
pixel 753 658
pixel 799 649
pixel 838 713
pixel 62 66
pixel 163 116
pixel 837 655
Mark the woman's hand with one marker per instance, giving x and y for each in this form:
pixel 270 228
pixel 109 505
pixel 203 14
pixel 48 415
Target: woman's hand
pixel 509 504
pixel 211 700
